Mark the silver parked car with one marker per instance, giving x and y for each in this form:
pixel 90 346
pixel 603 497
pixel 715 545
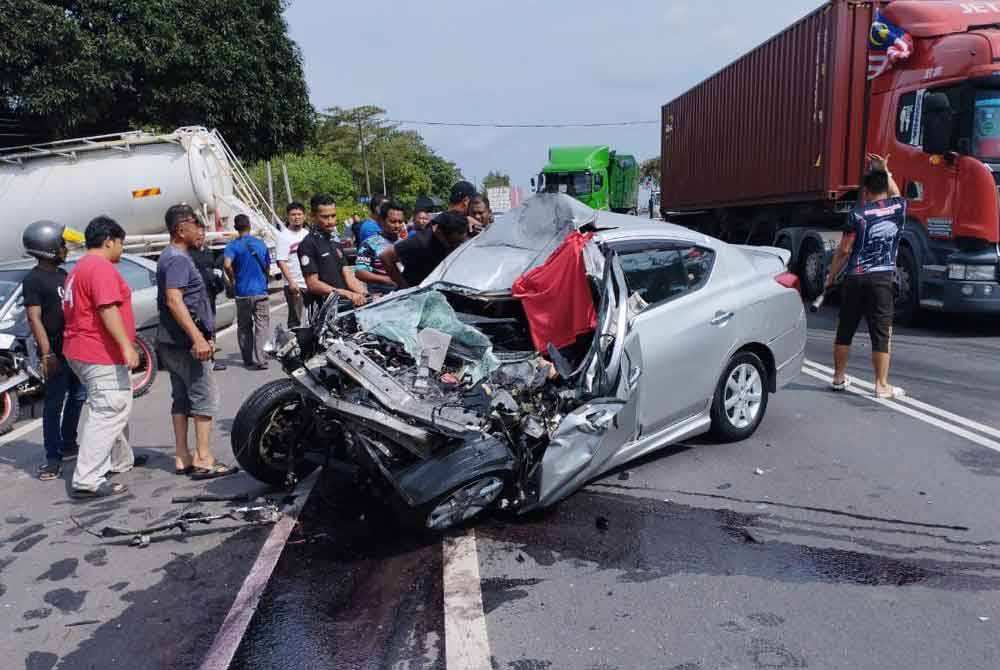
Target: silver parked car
pixel 439 396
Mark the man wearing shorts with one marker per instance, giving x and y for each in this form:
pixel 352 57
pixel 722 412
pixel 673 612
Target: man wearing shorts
pixel 184 339
pixel 868 251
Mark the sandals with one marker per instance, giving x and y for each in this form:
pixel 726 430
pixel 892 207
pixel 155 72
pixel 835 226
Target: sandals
pixel 894 392
pixel 181 472
pixel 103 491
pixel 49 470
pixel 217 470
pixel 842 386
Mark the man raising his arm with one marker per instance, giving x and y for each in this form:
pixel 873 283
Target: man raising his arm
pixel 869 250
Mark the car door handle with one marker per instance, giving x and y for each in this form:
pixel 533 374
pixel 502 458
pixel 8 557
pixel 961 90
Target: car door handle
pixel 722 318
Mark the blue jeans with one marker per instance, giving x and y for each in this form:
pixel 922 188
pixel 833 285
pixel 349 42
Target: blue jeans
pixel 64 398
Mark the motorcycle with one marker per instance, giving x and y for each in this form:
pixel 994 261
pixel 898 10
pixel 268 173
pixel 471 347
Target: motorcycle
pixel 21 371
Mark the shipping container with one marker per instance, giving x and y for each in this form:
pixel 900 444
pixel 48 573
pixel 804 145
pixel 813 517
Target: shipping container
pixel 784 123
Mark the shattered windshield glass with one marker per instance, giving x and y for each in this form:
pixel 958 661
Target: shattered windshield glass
pixel 517 241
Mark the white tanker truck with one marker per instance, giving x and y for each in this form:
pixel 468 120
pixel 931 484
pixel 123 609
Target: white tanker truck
pixel 133 178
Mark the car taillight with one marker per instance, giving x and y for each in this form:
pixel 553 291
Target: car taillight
pixel 789 280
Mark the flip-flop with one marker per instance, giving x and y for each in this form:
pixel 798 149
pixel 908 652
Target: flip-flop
pixel 103 491
pixel 217 470
pixel 184 471
pixel 842 386
pixel 895 392
pixel 49 471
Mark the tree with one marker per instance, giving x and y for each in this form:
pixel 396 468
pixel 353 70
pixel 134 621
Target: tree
pixel 494 179
pixel 87 67
pixel 361 140
pixel 649 173
pixel 308 174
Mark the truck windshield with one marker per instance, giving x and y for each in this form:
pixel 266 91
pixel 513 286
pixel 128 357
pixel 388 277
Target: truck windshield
pixel 986 131
pixel 573 183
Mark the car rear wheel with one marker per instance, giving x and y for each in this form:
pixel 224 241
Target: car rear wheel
pixel 740 398
pixel 813 270
pixel 269 429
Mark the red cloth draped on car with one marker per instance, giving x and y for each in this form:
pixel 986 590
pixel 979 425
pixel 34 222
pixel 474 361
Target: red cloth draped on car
pixel 556 296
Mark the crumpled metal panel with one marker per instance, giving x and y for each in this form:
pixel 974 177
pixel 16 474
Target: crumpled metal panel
pixel 517 241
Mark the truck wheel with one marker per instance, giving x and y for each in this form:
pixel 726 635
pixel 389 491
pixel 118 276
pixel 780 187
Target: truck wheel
pixel 812 270
pixel 907 307
pixel 10 409
pixel 144 375
pixel 267 432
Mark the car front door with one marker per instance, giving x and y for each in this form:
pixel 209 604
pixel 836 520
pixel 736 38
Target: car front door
pixel 683 320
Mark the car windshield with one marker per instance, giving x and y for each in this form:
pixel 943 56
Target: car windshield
pixel 9 281
pixel 573 183
pixel 986 128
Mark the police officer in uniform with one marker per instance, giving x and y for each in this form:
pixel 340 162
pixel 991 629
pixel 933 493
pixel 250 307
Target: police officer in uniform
pixel 322 260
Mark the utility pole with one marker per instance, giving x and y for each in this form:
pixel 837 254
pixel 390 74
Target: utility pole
pixel 364 156
pixel 288 189
pixel 385 191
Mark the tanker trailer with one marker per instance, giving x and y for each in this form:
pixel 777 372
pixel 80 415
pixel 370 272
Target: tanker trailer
pixel 132 177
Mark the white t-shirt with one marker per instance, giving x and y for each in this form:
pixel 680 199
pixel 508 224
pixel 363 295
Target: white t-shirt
pixel 288 251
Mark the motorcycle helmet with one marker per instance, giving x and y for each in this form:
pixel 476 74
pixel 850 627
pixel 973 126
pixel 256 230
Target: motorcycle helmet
pixel 43 239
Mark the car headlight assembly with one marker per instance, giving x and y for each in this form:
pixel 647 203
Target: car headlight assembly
pixel 980 273
pixel 956 272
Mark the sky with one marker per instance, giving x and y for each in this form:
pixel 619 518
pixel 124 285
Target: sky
pixel 524 61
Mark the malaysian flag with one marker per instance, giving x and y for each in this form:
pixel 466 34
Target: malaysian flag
pixel 887 45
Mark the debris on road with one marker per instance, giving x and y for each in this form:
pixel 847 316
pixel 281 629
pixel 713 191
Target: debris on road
pixel 602 523
pixel 266 513
pixel 759 471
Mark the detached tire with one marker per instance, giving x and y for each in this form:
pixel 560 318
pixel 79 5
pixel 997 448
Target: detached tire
pixel 264 429
pixel 740 400
pixel 10 410
pixel 144 375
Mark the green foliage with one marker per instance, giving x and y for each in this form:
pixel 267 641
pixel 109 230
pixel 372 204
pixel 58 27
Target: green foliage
pixel 308 174
pixel 87 67
pixel 358 136
pixel 649 173
pixel 495 179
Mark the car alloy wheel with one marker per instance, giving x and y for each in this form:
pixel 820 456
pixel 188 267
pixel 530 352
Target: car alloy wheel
pixel 744 393
pixel 465 502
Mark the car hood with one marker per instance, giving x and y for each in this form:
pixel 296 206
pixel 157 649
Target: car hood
pixel 516 242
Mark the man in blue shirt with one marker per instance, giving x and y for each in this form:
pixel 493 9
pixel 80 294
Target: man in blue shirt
pixel 246 265
pixel 373 224
pixel 868 252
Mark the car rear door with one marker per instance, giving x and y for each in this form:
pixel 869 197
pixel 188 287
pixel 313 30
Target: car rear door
pixel 683 320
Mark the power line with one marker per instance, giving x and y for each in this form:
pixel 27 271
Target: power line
pixel 477 124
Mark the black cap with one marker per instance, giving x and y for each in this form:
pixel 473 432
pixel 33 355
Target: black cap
pixel 460 191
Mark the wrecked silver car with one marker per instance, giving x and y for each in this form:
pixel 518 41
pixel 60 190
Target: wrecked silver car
pixel 560 343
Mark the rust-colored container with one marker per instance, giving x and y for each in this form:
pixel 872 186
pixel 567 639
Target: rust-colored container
pixel 784 123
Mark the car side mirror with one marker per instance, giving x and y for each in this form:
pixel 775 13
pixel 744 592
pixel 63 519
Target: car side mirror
pixel 938 124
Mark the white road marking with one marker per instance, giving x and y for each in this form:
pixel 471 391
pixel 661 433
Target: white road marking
pixel 230 635
pixel 22 430
pixel 913 402
pixel 916 414
pixel 467 645
pixel 37 423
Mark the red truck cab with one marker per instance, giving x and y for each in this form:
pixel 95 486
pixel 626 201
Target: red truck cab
pixel 937 115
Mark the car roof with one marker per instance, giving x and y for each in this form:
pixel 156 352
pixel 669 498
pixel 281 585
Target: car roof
pixel 28 263
pixel 623 227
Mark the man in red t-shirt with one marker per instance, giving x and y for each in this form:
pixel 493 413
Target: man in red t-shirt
pixel 97 343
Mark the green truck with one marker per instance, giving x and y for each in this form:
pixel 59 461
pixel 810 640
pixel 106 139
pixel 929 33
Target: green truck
pixel 594 175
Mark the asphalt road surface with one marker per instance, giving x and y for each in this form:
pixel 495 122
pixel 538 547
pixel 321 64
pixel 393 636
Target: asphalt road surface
pixel 847 533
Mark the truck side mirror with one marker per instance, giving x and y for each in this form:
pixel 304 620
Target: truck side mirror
pixel 938 124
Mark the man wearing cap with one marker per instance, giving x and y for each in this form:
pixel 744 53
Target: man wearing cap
pixel 43 293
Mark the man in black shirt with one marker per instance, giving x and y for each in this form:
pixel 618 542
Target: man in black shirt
pixel 422 252
pixel 64 394
pixel 322 260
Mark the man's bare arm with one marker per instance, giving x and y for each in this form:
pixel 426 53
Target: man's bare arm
pixel 286 273
pixel 840 258
pixel 390 261
pixel 372 278
pixel 38 330
pixel 227 267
